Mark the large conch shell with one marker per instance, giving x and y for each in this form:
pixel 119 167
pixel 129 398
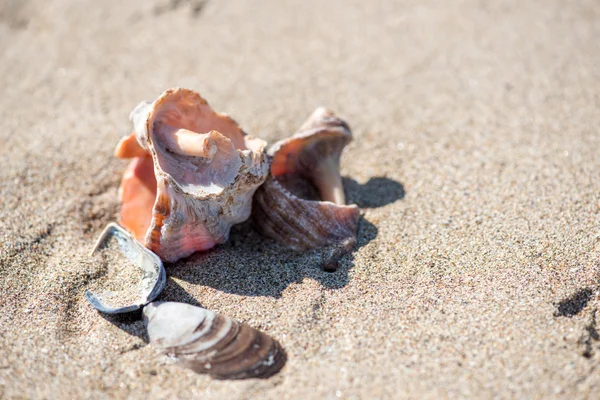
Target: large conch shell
pixel 310 157
pixel 193 175
pixel 211 343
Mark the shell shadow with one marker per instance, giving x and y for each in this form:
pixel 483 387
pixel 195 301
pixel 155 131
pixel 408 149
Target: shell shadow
pixel 174 292
pixel 227 355
pixel 377 192
pixel 250 264
pixel 132 322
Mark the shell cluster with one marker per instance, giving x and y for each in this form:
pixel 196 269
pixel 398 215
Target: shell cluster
pixel 193 174
pixel 199 339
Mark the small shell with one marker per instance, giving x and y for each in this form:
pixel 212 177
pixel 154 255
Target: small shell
pixel 118 243
pixel 194 176
pixel 309 157
pixel 211 343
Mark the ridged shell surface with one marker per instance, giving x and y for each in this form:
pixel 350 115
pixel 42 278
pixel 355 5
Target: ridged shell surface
pixel 210 343
pixel 303 224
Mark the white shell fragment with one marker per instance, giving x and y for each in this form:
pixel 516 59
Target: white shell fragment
pixel 122 248
pixel 207 342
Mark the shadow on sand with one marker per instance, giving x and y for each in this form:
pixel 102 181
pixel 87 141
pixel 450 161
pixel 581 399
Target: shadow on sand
pixel 377 192
pixel 130 323
pixel 252 265
pixel 227 356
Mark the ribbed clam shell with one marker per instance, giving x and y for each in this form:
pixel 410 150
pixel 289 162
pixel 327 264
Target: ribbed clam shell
pixel 207 342
pixel 196 195
pixel 154 276
pixel 301 223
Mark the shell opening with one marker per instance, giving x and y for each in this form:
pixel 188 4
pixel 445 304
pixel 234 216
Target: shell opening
pixel 193 175
pixel 314 153
pixel 327 178
pixel 199 148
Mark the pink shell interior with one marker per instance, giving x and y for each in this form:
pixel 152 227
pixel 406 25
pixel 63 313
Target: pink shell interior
pixel 165 189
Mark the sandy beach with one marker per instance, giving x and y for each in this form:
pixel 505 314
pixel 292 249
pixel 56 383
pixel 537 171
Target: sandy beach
pixel 475 164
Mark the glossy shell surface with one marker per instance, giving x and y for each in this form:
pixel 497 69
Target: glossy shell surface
pixel 210 343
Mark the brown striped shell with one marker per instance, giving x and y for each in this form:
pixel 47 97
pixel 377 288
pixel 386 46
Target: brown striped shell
pixel 302 202
pixel 211 343
pixel 193 175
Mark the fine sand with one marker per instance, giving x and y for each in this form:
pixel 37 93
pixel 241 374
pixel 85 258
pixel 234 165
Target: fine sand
pixel 475 162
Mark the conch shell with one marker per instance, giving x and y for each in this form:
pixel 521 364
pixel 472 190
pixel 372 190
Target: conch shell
pixel 211 343
pixel 193 175
pixel 311 157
